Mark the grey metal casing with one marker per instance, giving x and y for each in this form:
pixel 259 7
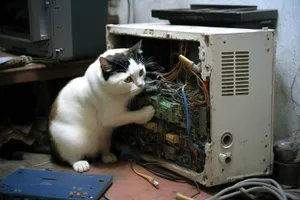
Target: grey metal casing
pixel 62 29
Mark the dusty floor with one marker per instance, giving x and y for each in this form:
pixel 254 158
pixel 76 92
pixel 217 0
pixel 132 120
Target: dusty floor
pixel 126 184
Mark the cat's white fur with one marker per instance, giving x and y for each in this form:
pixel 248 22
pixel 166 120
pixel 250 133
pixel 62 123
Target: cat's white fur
pixel 88 108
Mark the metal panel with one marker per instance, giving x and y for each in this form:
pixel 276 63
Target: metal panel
pixel 39 20
pixel 62 46
pixel 247 117
pixel 220 15
pixel 162 28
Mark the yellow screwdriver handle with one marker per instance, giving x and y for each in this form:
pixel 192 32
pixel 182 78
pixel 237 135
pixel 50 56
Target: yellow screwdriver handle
pixel 182 197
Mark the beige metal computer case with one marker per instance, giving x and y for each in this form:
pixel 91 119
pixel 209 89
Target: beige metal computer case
pixel 239 64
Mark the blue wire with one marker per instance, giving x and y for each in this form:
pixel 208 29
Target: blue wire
pixel 188 125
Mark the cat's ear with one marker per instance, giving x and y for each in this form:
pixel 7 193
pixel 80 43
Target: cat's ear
pixel 137 48
pixel 104 64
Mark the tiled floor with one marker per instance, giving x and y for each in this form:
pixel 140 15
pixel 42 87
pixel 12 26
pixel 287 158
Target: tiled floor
pixel 126 185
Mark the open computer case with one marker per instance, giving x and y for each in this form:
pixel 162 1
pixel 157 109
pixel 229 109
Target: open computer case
pixel 234 132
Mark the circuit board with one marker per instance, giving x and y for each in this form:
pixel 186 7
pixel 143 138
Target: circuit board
pixel 165 136
pixel 173 113
pixel 39 184
pixel 180 127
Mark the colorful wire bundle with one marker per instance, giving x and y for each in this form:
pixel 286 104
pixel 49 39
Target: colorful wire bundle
pixel 177 69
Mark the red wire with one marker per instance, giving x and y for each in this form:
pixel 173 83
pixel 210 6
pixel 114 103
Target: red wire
pixel 204 84
pixel 194 151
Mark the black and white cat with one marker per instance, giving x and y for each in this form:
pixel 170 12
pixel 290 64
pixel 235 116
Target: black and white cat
pixel 88 108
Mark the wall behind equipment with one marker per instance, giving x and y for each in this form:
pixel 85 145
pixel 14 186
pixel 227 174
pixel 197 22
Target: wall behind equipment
pixel 287 92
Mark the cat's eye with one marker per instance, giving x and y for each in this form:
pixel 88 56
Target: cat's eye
pixel 141 72
pixel 128 79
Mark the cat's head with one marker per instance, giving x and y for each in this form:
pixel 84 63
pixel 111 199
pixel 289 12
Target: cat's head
pixel 123 70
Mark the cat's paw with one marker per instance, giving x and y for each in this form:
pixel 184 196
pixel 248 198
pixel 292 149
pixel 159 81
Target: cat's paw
pixel 109 158
pixel 81 166
pixel 146 114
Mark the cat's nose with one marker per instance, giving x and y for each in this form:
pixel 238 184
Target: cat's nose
pixel 139 83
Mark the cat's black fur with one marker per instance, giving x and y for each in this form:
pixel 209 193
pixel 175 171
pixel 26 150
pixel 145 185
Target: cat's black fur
pixel 120 62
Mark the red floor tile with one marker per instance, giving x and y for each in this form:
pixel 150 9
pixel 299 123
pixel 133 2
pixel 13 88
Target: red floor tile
pixel 129 186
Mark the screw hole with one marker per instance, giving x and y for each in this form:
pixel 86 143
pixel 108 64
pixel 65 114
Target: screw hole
pixel 223 170
pixel 266 146
pixel 264 160
pixel 226 140
pixel 268 38
pixel 224 42
pixel 227 160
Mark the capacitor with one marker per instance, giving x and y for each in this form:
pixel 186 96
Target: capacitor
pixel 172 138
pixel 151 126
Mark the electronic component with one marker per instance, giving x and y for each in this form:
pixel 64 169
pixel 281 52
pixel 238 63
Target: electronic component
pixel 173 112
pixel 172 138
pixel 38 184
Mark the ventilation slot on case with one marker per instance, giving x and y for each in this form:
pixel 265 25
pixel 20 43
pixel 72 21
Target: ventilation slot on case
pixel 227 74
pixel 241 73
pixel 235 73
